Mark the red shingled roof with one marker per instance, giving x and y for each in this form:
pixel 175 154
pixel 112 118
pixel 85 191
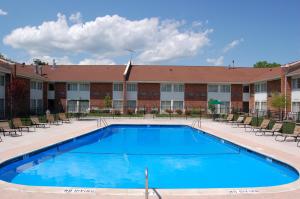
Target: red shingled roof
pixel 202 74
pixel 89 73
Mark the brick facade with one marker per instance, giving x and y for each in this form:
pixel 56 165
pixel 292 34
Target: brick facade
pixel 98 91
pixel 237 96
pixel 286 88
pixel 251 98
pixel 20 97
pixel 195 96
pixel 60 97
pixel 45 96
pixel 148 95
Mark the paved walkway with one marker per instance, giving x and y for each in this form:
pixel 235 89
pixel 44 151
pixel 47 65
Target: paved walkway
pixel 13 146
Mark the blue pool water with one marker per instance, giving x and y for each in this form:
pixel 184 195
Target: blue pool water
pixel 176 157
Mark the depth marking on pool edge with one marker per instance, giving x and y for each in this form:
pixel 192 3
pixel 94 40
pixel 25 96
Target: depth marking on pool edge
pixel 241 191
pixel 82 190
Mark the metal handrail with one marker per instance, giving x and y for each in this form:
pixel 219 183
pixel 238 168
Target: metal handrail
pixel 102 120
pixel 196 122
pixel 146 184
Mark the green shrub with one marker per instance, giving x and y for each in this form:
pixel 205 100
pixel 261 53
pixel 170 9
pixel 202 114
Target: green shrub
pixel 179 111
pixel 288 127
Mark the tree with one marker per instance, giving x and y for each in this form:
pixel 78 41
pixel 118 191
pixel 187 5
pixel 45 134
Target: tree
pixel 279 102
pixel 212 106
pixel 107 101
pixel 265 64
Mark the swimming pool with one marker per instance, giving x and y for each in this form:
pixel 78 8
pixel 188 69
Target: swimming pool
pixel 176 156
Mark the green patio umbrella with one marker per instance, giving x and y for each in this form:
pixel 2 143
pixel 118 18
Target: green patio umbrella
pixel 214 102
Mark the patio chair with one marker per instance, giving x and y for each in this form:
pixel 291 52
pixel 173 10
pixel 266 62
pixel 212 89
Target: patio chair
pixel 5 128
pixel 263 126
pixel 18 124
pixel 295 135
pixel 63 118
pixel 275 129
pixel 238 121
pixel 36 122
pixel 51 120
pixel 246 123
pixel 229 118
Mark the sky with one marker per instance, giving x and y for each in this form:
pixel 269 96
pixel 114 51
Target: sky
pixel 177 32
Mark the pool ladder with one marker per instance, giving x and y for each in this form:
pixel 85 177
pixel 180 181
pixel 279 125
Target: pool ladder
pixel 146 184
pixel 196 122
pixel 101 121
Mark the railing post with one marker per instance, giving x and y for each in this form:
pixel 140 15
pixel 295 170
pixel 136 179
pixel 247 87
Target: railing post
pixel 146 184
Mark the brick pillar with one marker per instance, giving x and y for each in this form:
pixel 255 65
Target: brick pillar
pixel 98 92
pixel 149 95
pixel 124 96
pixel 195 96
pixel 60 97
pixel 45 96
pixel 8 107
pixel 237 96
pixel 251 98
pixel 286 89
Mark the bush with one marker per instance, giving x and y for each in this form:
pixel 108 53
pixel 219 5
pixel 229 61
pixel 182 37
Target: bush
pixel 141 111
pixel 117 112
pixel 288 127
pixel 130 111
pixel 195 112
pixel 169 111
pixel 154 111
pixel 187 112
pixel 179 111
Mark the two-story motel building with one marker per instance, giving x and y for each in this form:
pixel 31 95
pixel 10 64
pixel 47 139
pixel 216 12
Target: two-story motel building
pixel 62 87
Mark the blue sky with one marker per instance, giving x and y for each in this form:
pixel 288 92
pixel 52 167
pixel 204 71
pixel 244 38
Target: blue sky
pixel 181 32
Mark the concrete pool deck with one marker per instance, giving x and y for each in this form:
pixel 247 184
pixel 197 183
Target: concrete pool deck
pixel 13 146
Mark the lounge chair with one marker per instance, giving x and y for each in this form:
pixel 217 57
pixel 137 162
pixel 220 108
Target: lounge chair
pixel 63 118
pixel 246 123
pixel 51 120
pixel 18 124
pixel 5 128
pixel 275 129
pixel 295 135
pixel 229 118
pixel 36 122
pixel 238 121
pixel 263 126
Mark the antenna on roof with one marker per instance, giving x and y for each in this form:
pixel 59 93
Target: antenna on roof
pixel 131 52
pixel 53 64
pixel 232 63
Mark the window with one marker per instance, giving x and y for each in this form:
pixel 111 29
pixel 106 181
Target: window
pixel 72 106
pixel 118 87
pixel 257 105
pixel 260 87
pixel 33 85
pixel 296 83
pixel 131 104
pixel 177 105
pixel 84 87
pixel 131 87
pixel 296 107
pixel 166 87
pixel 117 104
pixel 72 87
pixel 263 106
pixel 51 87
pixel 32 105
pixel 213 88
pixel 39 85
pixel 263 87
pixel 165 105
pixel 224 107
pixel 225 88
pixel 2 80
pixel 83 106
pixel 178 88
pixel 246 89
pixel 40 106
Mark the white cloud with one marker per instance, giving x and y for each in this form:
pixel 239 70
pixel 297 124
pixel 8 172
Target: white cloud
pixel 155 40
pixel 76 18
pixel 92 61
pixel 232 44
pixel 2 12
pixel 65 60
pixel 216 61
